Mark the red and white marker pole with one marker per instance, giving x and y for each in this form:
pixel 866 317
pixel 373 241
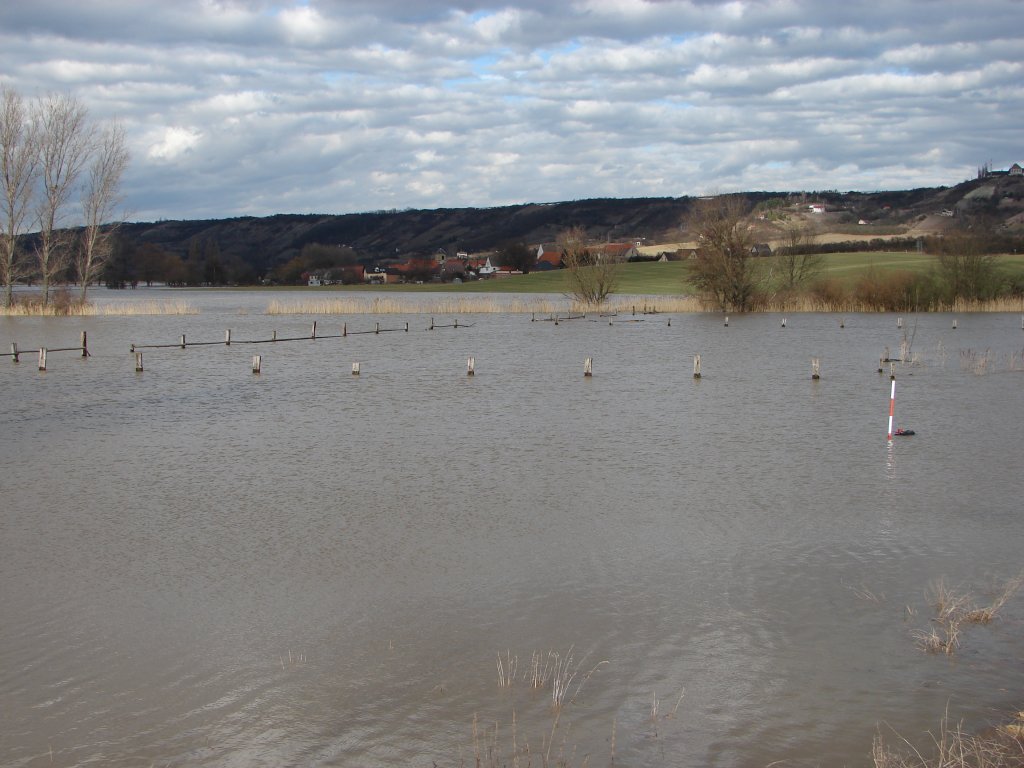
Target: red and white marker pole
pixel 892 406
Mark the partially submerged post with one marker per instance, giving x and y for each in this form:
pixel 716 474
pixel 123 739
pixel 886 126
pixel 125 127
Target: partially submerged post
pixel 42 359
pixel 471 366
pixel 954 323
pixel 696 366
pixel 355 369
pixel 815 368
pixel 227 337
pixel 588 367
pixel 312 333
pixel 14 351
pixel 85 344
pixel 899 322
pixel 257 363
pixel 183 341
pixel 138 362
pixel 726 321
pixel 783 322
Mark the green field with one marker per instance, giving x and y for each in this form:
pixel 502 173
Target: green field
pixel 669 278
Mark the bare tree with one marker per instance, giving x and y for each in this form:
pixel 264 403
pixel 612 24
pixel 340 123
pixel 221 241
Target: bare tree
pixel 18 166
pixel 592 273
pixel 65 142
pixel 99 199
pixel 722 270
pixel 966 270
pixel 795 259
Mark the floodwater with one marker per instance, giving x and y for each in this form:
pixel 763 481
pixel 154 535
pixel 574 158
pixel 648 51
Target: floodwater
pixel 200 566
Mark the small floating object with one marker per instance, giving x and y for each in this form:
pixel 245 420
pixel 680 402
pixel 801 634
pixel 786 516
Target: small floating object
pixel 903 432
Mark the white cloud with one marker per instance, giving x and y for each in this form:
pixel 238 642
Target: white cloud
pixel 360 104
pixel 172 143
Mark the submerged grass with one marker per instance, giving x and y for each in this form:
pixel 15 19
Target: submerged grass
pixel 955 609
pixel 951 747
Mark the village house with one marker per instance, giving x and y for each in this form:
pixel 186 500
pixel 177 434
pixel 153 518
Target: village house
pixel 549 256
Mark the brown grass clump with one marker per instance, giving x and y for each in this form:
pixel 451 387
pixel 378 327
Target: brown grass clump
pixel 954 609
pixel 988 613
pixel 1000 747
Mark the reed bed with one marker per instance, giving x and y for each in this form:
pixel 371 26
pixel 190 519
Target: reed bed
pixel 88 309
pixel 422 303
pixel 987 361
pixel 951 747
pixel 830 303
pixel 415 304
pixel 955 609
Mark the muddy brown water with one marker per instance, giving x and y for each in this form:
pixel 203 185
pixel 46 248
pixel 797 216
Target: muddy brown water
pixel 203 567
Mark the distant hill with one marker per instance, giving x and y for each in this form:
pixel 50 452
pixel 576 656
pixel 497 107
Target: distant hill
pixel 263 243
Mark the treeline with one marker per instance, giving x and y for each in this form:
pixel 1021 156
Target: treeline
pixel 991 243
pixel 131 263
pixel 205 264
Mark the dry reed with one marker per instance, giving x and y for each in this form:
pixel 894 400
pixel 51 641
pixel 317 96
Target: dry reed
pixel 988 613
pixel 423 304
pixel 507 668
pixel 954 609
pixel 1000 747
pixel 88 309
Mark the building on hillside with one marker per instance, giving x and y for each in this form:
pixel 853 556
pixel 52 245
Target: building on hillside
pixel 760 249
pixel 1016 170
pixel 616 251
pixel 549 256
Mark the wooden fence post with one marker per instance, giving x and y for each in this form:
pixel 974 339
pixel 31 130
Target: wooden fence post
pixel 815 368
pixel 14 351
pixel 138 362
pixel 227 337
pixel 471 366
pixel 355 369
pixel 85 344
pixel 42 359
pixel 696 366
pixel 257 363
pixel 588 367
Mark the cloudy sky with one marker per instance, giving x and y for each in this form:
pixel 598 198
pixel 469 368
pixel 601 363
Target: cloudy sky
pixel 335 106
